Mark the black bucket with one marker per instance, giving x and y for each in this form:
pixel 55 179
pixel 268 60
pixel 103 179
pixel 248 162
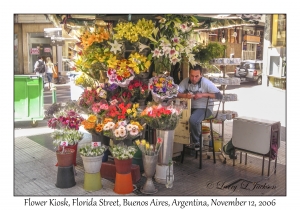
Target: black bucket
pixel 65 177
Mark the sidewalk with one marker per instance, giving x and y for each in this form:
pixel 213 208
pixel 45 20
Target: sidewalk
pixel 35 171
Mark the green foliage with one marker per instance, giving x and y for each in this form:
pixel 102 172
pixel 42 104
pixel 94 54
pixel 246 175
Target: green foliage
pixel 205 54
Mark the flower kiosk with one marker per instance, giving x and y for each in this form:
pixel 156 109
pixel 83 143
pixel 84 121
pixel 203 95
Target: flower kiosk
pixel 126 91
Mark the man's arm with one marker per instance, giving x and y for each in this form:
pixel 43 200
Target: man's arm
pixel 185 95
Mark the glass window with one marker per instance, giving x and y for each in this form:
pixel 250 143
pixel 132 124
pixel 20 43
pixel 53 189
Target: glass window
pixel 279 30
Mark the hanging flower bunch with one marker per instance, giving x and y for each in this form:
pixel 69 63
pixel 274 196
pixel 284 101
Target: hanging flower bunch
pixel 100 108
pixel 132 32
pixel 121 74
pixel 149 149
pixel 162 117
pixel 84 80
pixel 91 96
pixel 172 41
pixel 94 125
pixel 138 89
pixel 99 35
pixel 122 152
pixel 139 62
pixel 162 87
pixel 124 96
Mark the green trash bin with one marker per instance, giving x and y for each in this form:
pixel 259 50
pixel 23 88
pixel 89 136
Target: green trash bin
pixel 28 98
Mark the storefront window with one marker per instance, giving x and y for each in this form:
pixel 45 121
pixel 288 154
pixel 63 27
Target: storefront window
pixel 279 30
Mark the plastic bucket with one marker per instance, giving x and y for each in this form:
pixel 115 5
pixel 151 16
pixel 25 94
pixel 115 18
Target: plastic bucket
pixel 92 165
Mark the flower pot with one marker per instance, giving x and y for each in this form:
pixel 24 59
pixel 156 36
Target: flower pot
pixel 149 163
pixel 65 159
pixel 92 165
pixel 74 154
pixel 123 166
pixel 166 151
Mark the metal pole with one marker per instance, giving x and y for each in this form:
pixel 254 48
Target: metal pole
pixel 54 95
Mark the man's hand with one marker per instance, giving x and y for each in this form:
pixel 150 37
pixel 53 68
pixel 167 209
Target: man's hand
pixel 190 95
pixel 198 95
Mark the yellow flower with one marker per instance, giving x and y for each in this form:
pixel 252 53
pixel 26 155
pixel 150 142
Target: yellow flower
pixel 92 118
pixel 137 142
pixel 143 142
pixel 128 111
pixel 147 145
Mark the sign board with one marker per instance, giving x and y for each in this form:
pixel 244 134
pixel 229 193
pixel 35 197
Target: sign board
pixel 47 49
pixel 35 51
pixel 226 61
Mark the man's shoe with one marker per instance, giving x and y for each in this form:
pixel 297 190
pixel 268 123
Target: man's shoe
pixel 197 146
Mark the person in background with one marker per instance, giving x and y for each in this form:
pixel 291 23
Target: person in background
pixel 198 89
pixel 40 59
pixel 49 71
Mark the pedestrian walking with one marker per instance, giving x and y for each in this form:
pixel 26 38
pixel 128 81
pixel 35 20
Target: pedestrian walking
pixel 49 71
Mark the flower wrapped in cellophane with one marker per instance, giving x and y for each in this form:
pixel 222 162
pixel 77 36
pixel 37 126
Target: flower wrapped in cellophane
pixel 162 87
pixel 149 149
pixel 162 117
pixel 122 152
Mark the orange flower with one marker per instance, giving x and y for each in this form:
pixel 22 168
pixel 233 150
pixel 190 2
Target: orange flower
pixel 99 127
pixel 106 120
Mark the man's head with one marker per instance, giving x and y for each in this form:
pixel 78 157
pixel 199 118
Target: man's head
pixel 39 57
pixel 195 73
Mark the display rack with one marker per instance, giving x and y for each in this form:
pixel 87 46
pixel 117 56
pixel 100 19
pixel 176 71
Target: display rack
pixel 224 81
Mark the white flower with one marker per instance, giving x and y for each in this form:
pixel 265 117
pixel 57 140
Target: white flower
pixel 142 46
pixel 156 52
pixel 117 133
pixel 134 131
pixel 122 128
pixel 111 125
pixel 174 52
pixel 115 46
pixel 176 39
pixel 122 133
pixel 129 127
pixel 106 127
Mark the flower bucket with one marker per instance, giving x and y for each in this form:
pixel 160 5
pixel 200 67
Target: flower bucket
pixel 123 166
pixel 65 159
pixel 92 165
pixel 74 154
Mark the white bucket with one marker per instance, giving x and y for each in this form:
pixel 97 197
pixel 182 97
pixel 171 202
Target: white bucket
pixel 92 165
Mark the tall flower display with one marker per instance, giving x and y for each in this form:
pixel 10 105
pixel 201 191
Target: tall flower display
pixel 172 41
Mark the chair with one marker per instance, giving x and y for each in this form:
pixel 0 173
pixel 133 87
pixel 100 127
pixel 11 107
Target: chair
pixel 214 115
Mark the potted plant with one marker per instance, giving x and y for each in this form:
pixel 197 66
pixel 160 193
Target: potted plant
pixel 123 155
pixel 91 155
pixel 66 126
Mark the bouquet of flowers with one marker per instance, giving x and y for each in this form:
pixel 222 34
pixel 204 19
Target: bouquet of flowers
pixel 94 125
pixel 138 89
pixel 149 149
pixel 162 87
pixel 122 152
pixel 121 130
pixel 162 117
pixel 67 126
pixel 121 74
pixel 92 151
